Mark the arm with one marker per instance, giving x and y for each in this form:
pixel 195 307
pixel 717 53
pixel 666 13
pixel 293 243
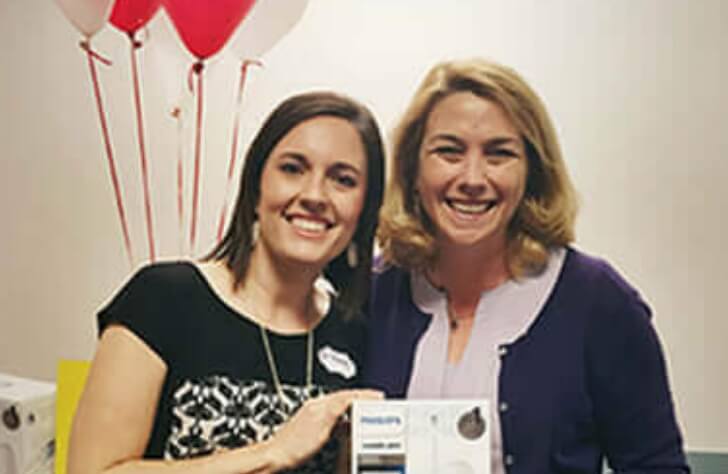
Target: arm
pixel 116 412
pixel 629 386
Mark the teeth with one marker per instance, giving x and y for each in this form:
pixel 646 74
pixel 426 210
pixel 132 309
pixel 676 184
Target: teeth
pixel 308 225
pixel 470 208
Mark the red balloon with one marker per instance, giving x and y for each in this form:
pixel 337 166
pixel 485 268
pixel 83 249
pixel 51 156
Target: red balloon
pixel 130 15
pixel 206 25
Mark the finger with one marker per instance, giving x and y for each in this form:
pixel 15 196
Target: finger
pixel 340 401
pixel 370 394
pixel 336 403
pixel 355 394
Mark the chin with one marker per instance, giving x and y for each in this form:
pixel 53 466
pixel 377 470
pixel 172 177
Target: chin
pixel 307 259
pixel 470 240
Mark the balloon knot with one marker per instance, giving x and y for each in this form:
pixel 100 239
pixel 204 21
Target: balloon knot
pixel 196 69
pixel 86 46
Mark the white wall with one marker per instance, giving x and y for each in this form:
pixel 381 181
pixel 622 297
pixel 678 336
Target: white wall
pixel 635 87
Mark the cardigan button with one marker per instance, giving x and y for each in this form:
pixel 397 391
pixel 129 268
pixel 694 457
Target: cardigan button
pixel 509 460
pixel 503 407
pixel 502 350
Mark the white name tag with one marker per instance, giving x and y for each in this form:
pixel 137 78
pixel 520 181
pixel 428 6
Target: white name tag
pixel 337 362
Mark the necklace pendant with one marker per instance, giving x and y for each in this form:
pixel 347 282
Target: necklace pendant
pixel 453 324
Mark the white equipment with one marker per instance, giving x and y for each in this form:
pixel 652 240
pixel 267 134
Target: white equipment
pixel 27 426
pixel 420 437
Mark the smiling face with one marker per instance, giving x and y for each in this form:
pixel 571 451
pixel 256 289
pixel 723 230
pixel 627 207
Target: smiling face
pixel 312 192
pixel 472 171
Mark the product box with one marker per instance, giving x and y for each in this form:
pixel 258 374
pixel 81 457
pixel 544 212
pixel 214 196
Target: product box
pixel 27 426
pixel 420 437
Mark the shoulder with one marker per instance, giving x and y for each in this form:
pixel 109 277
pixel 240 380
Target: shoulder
pixel 166 273
pixel 337 322
pixel 152 289
pixel 594 277
pixel 160 279
pixel 150 301
pixel 386 277
pixel 390 292
pixel 614 309
pixel 592 269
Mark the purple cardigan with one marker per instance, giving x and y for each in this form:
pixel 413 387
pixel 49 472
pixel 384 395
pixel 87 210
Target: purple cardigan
pixel 586 381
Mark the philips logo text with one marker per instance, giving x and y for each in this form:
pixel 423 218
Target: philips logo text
pixel 381 420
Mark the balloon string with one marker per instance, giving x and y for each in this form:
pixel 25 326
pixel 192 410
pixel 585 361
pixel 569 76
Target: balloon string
pixel 234 152
pixel 93 56
pixel 135 45
pixel 196 69
pixel 177 115
pixel 86 46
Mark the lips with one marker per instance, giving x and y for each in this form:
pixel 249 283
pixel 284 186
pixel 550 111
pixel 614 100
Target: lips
pixel 312 225
pixel 470 207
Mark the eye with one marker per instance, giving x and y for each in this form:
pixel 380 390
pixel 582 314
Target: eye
pixel 345 179
pixel 447 152
pixel 500 155
pixel 504 152
pixel 290 167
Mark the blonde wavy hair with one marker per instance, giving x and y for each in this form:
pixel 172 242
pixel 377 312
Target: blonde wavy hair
pixel 545 217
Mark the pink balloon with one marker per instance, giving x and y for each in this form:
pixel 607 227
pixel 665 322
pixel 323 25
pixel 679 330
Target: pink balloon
pixel 206 25
pixel 130 15
pixel 265 26
pixel 88 16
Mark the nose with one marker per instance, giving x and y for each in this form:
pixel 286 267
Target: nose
pixel 313 196
pixel 474 176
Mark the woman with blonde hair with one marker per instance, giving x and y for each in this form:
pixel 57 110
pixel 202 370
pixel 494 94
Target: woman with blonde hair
pixel 481 295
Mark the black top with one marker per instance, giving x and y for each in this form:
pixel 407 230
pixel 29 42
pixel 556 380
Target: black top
pixel 218 391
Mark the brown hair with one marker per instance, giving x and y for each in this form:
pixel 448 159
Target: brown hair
pixel 352 284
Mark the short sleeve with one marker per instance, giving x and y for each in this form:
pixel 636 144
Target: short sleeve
pixel 139 306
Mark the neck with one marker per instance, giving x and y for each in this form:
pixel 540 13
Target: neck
pixel 465 272
pixel 282 293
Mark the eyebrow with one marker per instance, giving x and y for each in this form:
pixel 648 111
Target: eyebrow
pixel 348 166
pixel 444 136
pixel 497 141
pixel 292 155
pixel 500 141
pixel 301 158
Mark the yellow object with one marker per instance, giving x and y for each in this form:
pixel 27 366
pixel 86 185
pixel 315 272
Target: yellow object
pixel 69 386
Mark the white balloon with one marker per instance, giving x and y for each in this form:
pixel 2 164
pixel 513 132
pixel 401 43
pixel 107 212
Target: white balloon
pixel 265 25
pixel 88 16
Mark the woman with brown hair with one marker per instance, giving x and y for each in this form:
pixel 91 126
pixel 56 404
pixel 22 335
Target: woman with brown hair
pixel 243 362
pixel 481 295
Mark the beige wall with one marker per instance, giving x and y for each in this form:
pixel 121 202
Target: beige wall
pixel 635 87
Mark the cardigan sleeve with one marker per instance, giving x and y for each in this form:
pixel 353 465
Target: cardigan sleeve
pixel 629 387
